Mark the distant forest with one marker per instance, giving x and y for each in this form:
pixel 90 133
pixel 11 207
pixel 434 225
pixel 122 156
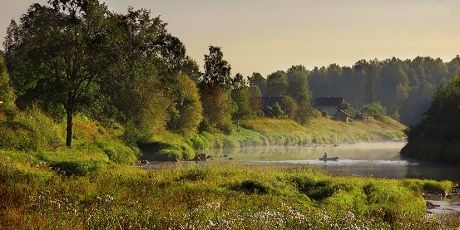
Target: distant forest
pixel 404 88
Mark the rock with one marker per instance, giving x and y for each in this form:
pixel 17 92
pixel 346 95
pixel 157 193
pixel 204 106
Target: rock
pixel 431 205
pixel 200 157
pixel 437 191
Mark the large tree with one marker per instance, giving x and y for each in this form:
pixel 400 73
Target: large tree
pixel 216 69
pixel 215 88
pixel 277 84
pixel 57 53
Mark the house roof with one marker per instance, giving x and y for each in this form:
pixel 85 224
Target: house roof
pixel 328 101
pixel 344 112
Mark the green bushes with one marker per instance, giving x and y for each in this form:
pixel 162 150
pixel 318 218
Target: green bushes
pixel 30 131
pixel 77 168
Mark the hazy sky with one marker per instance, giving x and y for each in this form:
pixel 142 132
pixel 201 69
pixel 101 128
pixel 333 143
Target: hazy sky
pixel 267 35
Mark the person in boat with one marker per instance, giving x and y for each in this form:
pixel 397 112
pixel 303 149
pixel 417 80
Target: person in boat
pixel 325 155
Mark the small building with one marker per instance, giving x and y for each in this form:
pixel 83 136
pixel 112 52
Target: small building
pixel 342 115
pixel 360 117
pixel 268 103
pixel 329 104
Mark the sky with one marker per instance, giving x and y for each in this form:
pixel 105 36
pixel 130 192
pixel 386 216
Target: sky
pixel 269 35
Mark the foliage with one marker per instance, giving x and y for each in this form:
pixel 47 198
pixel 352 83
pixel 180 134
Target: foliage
pixel 255 101
pixel 409 84
pixel 216 69
pixel 186 115
pixel 376 110
pixel 277 84
pixel 7 97
pixel 30 130
pixel 256 79
pixel 438 130
pixel 55 54
pixel 217 104
pixel 289 107
pixel 241 96
pixel 277 110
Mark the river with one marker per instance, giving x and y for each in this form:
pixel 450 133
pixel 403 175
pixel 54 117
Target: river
pixel 381 160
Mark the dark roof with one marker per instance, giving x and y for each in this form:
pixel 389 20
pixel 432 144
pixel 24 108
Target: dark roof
pixel 343 112
pixel 270 101
pixel 329 101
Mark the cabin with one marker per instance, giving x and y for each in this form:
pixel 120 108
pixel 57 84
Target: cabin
pixel 342 115
pixel 268 103
pixel 360 117
pixel 329 104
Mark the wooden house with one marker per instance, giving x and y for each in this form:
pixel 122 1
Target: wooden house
pixel 329 104
pixel 360 117
pixel 342 115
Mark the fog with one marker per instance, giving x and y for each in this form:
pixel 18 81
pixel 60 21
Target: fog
pixel 363 159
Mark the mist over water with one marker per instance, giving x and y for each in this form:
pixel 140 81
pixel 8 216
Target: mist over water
pixel 380 160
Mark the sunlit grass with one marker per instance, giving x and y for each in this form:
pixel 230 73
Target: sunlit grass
pixel 220 196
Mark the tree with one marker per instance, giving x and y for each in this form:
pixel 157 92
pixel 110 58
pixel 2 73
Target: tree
pixel 56 53
pixel 277 84
pixel 298 83
pixel 216 69
pixel 217 106
pixel 289 107
pixel 214 89
pixel 240 95
pixel 187 110
pixel 255 101
pixel 438 130
pixel 372 76
pixel 277 110
pixel 7 97
pixel 256 79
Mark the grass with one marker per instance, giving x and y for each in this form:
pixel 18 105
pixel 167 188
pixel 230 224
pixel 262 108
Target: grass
pixel 95 185
pixel 207 197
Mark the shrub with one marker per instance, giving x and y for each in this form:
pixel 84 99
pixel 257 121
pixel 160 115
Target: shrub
pixel 253 186
pixel 77 167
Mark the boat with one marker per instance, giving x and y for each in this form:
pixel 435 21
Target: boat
pixel 329 158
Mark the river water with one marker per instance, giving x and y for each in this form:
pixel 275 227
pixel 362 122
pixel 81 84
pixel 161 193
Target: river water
pixel 381 160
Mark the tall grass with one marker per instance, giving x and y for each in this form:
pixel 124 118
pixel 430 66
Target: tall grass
pixel 206 197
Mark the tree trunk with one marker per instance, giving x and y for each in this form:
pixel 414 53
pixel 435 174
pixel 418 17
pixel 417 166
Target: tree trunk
pixel 68 140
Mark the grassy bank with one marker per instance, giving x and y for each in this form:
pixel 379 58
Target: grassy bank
pixel 265 132
pixel 207 197
pixel 94 185
pixel 96 146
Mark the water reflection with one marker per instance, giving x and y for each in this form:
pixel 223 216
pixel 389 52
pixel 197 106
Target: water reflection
pixel 366 159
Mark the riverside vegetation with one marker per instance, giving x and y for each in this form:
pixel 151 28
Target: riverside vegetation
pixel 94 185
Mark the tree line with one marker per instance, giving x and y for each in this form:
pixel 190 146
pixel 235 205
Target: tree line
pixel 404 88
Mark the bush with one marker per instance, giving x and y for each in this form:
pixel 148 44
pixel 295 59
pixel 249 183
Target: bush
pixel 253 186
pixel 77 167
pixel 226 128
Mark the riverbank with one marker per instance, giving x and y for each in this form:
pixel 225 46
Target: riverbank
pixel 227 196
pixel 274 132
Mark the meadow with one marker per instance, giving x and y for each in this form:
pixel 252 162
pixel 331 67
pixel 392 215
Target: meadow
pixel 227 196
pixel 98 185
